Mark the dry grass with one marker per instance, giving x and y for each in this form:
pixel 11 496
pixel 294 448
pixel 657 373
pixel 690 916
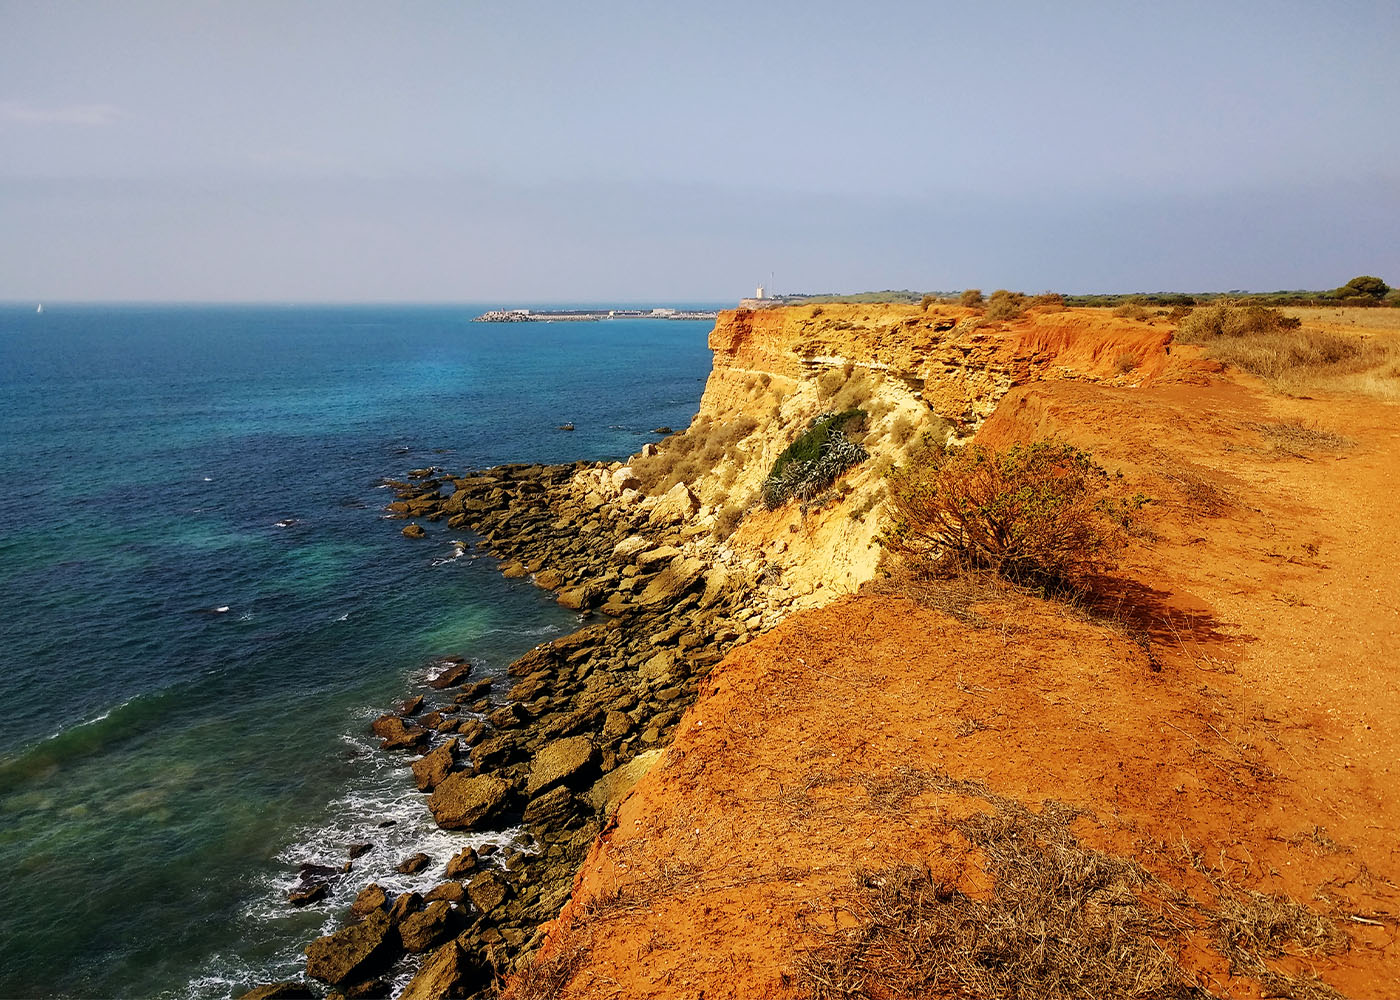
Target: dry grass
pixel 1250 927
pixel 1294 358
pixel 546 976
pixel 694 452
pixel 1063 921
pixel 1297 438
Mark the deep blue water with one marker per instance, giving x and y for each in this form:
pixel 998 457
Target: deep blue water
pixel 164 766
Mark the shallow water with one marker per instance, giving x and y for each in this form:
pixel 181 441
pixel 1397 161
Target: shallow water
pixel 203 609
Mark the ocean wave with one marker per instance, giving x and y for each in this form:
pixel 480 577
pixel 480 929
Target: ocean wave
pixel 69 743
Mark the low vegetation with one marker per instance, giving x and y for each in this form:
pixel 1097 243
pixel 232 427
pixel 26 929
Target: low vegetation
pixel 694 452
pixel 814 461
pixel 1279 349
pixel 1041 514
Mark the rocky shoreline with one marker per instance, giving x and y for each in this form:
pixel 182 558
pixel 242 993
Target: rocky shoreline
pixel 583 719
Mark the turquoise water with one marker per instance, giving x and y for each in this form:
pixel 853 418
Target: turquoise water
pixel 166 764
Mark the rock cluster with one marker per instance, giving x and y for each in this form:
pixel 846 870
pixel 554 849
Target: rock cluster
pixel 583 717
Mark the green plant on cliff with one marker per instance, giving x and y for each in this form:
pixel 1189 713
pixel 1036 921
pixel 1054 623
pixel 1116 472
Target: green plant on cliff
pixel 1043 514
pixel 812 462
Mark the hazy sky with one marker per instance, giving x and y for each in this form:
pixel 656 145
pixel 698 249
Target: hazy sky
pixel 470 151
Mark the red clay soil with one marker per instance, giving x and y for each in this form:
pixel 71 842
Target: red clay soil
pixel 1233 730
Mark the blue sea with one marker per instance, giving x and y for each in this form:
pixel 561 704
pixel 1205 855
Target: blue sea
pixel 202 607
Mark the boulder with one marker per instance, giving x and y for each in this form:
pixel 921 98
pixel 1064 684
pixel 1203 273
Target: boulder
pixel 551 806
pixel 396 734
pixel 412 706
pixel 352 953
pixel 464 800
pixel 563 761
pixel 653 557
pixel 649 449
pixel 624 550
pixel 449 972
pixel 414 530
pixel 658 668
pixel 413 864
pixel 608 791
pixel 514 570
pixel 280 991
pixel 579 598
pixel 487 891
pixel 550 579
pixel 422 931
pixel 355 850
pixel 452 675
pixel 370 989
pixel 453 892
pixel 675 507
pixel 462 863
pixel 672 582
pixel 430 769
pixel 307 895
pixel 371 898
pixel 404 904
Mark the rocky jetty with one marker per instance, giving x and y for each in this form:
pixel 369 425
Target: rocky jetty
pixel 556 746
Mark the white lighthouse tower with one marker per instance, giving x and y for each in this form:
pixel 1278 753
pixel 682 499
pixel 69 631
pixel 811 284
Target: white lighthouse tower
pixel 760 293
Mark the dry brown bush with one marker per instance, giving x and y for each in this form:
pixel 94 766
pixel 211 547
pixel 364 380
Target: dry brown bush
pixel 970 298
pixel 1125 362
pixel 1043 514
pixel 1275 347
pixel 693 453
pixel 1132 310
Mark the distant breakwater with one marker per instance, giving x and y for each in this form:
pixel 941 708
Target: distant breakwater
pixel 589 315
pixel 585 718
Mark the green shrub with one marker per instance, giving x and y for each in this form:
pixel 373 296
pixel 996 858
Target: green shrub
pixel 1003 305
pixel 1221 319
pixel 812 462
pixel 1043 514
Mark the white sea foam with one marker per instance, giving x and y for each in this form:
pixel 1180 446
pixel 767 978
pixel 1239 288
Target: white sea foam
pixel 344 618
pixel 208 479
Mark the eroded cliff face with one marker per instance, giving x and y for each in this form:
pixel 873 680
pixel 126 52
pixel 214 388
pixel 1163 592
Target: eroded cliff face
pixel 923 378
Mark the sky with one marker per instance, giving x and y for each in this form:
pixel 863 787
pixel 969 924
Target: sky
pixel 528 151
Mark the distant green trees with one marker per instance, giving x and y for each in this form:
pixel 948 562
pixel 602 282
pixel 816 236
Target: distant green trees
pixel 1365 286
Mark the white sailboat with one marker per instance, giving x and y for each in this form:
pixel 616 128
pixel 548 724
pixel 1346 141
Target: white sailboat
pixel 40 309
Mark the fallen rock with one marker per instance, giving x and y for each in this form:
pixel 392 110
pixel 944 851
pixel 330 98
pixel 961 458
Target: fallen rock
pixel 356 850
pixel 672 582
pixel 430 769
pixel 514 570
pixel 422 931
pixel 308 895
pixel 404 904
pixel 487 891
pixel 552 805
pixel 412 706
pixel 608 791
pixel 414 864
pixel 624 550
pixel 676 506
pixel 452 675
pixel 371 898
pixel 579 598
pixel 396 734
pixel 352 953
pixel 549 579
pixel 652 557
pixel 413 530
pixel 462 863
pixel 453 892
pixel 463 800
pixel 449 972
pixel 559 762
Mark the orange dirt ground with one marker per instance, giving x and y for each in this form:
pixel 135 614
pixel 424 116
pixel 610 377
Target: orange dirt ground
pixel 1235 729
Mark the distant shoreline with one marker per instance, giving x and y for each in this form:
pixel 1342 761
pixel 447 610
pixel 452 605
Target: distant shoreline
pixel 589 315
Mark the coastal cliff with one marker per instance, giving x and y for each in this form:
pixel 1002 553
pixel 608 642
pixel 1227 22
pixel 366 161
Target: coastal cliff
pixel 756 735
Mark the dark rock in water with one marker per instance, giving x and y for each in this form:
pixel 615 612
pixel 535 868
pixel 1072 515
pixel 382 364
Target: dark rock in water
pixel 561 762
pixel 462 863
pixel 356 850
pixel 579 598
pixel 463 800
pixel 370 899
pixel 414 530
pixel 449 972
pixel 310 870
pixel 412 706
pixel 422 931
pixel 430 769
pixel 453 892
pixel 453 675
pixel 566 427
pixel 409 902
pixel 663 429
pixel 487 891
pixel 382 824
pixel 309 895
pixel 549 579
pixel 280 991
pixel 353 953
pixel 514 570
pixel 422 473
pixel 414 864
pixel 396 734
